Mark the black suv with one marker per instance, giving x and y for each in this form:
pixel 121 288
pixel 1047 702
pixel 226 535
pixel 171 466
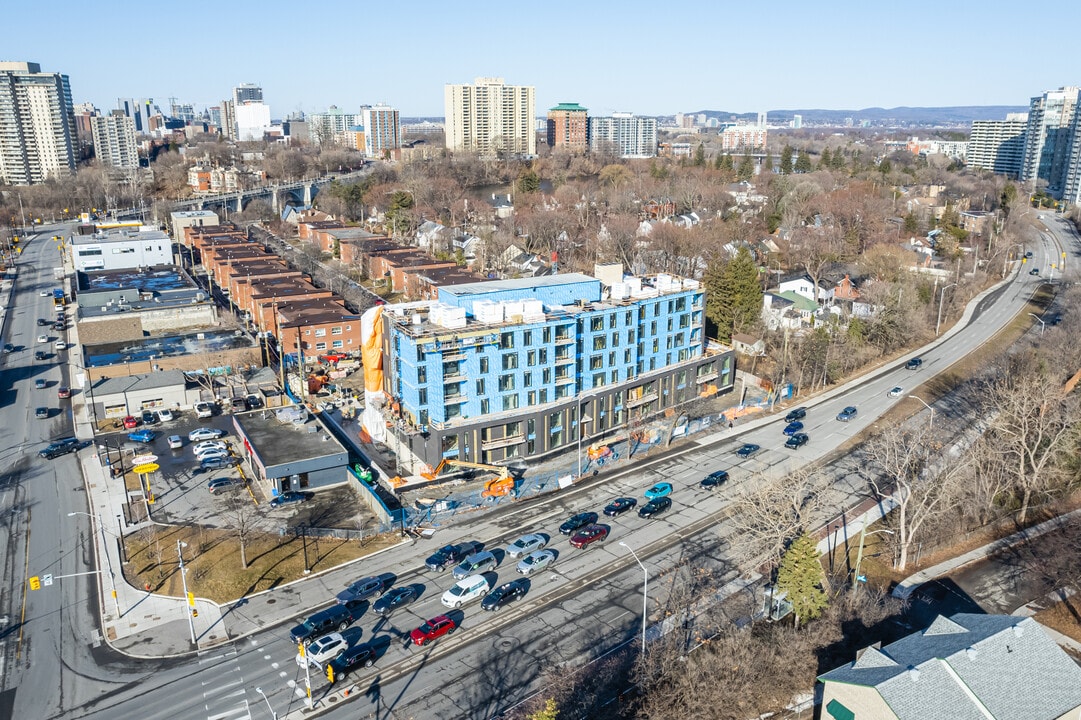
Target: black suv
pixel 63 446
pixel 451 555
pixel 337 617
pixel 577 521
pixel 914 364
pixel 715 479
pixel 796 414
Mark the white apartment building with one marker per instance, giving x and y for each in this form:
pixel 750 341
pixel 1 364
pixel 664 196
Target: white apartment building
pixel 1050 119
pixel 252 120
pixel 998 145
pixel 114 140
pixel 382 131
pixel 121 249
pixel 37 124
pixel 490 117
pixel 628 135
pixel 330 127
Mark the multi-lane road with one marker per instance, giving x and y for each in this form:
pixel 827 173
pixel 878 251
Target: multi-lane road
pixel 55 665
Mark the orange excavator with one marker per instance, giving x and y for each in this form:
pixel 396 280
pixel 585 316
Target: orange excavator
pixel 499 487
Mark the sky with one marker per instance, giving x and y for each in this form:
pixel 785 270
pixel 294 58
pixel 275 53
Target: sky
pixel 648 58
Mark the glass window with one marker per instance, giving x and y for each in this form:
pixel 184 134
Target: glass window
pixel 506 341
pixel 422 374
pixel 506 382
pixel 480 387
pixel 527 337
pixel 543 356
pixel 484 407
pixel 510 402
pixel 596 362
pixel 546 335
pixel 320 332
pixel 596 324
pixel 484 365
pixel 527 379
pixel 422 396
pixel 612 321
pixel 510 361
pixel 531 358
pixel 336 330
pixel 599 342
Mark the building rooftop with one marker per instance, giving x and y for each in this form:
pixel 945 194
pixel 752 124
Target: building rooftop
pixel 497 286
pixel 122 234
pixel 186 214
pixel 277 440
pixel 151 348
pixel 146 381
pixel 569 107
pixel 312 312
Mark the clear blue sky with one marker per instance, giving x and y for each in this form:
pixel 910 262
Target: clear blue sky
pixel 643 57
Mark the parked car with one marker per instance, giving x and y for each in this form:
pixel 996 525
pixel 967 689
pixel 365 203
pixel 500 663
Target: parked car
pixel 847 414
pixel 748 449
pixel 450 555
pixel 362 655
pixel 39 383
pixel 209 445
pixel 63 392
pixel 655 507
pixel 619 506
pixel 715 479
pixel 224 484
pixel 149 417
pixel 130 423
pixel 394 598
pixel 322 650
pixel 363 589
pixel 60 345
pixel 475 564
pixel 659 490
pixel 897 391
pixel 793 427
pixel 505 594
pixel 56 448
pixel 796 441
pixel 577 521
pixel 41 413
pixel 142 436
pixel 204 410
pixel 175 442
pixel 433 629
pixel 165 415
pixel 286 498
pixel 335 617
pixel 205 433
pixel 526 544
pixel 534 561
pixel 211 454
pixel 913 364
pixel 223 462
pixel 466 590
pixel 795 414
pixel 238 404
pixel 253 401
pixel 592 534
pixel 59 326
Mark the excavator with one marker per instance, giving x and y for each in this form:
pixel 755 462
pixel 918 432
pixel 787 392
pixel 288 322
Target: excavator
pixel 500 487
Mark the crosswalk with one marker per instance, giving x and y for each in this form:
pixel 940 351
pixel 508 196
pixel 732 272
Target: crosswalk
pixel 225 697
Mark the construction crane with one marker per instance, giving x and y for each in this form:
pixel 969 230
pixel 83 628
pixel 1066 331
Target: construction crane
pixel 501 486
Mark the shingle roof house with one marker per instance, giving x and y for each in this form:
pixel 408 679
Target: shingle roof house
pixel 966 667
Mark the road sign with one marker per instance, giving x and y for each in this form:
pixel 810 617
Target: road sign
pixel 861 578
pixel 144 459
pixel 146 468
pixel 47 580
pixel 35 583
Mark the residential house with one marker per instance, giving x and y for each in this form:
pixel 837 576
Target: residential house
pixel 430 234
pixel 748 345
pixel 781 313
pixel 846 290
pixel 967 666
pixel 502 206
pixel 803 285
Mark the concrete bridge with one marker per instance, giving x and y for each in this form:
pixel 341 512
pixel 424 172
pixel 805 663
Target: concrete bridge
pixel 300 191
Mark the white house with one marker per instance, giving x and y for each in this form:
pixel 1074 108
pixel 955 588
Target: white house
pixel 802 285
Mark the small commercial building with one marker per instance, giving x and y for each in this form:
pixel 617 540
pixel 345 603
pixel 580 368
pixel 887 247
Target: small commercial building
pixel 116 397
pixel 291 449
pixel 121 248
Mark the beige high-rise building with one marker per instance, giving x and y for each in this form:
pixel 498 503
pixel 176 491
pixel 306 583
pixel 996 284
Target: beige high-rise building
pixel 37 124
pixel 114 140
pixel 490 117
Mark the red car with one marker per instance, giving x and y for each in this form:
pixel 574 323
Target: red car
pixel 130 423
pixel 589 535
pixel 434 629
pixel 63 392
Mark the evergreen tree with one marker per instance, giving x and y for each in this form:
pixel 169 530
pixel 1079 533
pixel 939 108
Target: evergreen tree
pixel 838 161
pixel 824 159
pixel 803 162
pixel 700 156
pixel 800 575
pixel 733 295
pixel 727 163
pixel 528 181
pixel 786 160
pixel 885 167
pixel 717 161
pixel 746 167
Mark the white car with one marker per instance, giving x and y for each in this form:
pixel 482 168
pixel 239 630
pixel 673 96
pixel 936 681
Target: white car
pixel 210 445
pixel 176 442
pixel 205 433
pixel 45 293
pixel 471 588
pixel 165 415
pixel 43 338
pixel 526 544
pixel 534 561
pixel 896 392
pixel 211 454
pixel 60 345
pixel 204 410
pixel 323 650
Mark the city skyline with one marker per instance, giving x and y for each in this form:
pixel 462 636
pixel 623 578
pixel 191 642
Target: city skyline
pixel 853 57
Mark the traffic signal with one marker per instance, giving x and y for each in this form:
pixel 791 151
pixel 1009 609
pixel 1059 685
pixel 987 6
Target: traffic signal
pixel 194 612
pixel 330 674
pixel 35 583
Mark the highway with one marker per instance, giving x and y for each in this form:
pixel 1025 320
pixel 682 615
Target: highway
pixel 56 666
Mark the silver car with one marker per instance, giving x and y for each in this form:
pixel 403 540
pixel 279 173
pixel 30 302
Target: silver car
pixel 534 561
pixel 526 544
pixel 475 564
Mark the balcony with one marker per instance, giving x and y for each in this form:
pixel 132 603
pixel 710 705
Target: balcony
pixel 503 442
pixel 456 399
pixel 564 339
pixel 636 402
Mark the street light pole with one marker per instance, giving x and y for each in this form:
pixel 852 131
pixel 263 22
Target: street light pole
pixel 582 419
pixel 180 545
pixel 1043 325
pixel 270 707
pixel 941 297
pixel 645 592
pixel 930 425
pixel 859 555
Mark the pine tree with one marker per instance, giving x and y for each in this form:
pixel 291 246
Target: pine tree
pixel 550 711
pixel 727 163
pixel 824 159
pixel 733 295
pixel 800 576
pixel 746 167
pixel 803 162
pixel 786 160
pixel 838 162
pixel 700 156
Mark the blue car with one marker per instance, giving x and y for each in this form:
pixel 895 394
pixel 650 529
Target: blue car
pixel 142 436
pixel 659 490
pixel 847 414
pixel 793 427
pixel 289 496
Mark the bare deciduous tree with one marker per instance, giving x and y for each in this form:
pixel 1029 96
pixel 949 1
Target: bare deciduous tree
pixel 771 512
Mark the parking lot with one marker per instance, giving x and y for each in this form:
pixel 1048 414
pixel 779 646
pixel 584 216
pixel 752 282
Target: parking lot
pixel 180 485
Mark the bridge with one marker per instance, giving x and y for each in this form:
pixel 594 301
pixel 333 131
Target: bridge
pixel 298 190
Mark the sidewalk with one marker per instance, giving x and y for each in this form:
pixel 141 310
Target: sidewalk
pixel 146 625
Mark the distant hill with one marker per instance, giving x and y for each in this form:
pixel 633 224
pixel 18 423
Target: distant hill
pixel 918 116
